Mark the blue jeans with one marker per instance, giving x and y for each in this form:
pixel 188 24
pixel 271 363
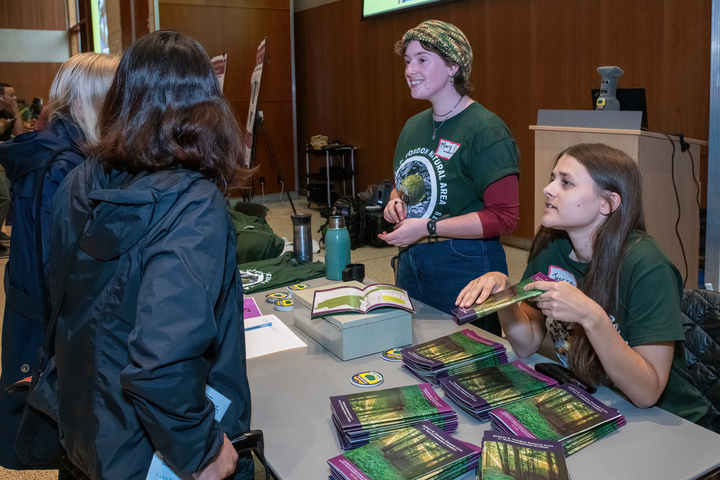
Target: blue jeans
pixel 434 273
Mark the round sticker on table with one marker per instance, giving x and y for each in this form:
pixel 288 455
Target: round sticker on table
pixel 392 355
pixel 367 379
pixel 271 297
pixel 298 286
pixel 284 305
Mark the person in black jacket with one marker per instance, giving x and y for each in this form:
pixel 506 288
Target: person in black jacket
pixel 31 163
pixel 151 320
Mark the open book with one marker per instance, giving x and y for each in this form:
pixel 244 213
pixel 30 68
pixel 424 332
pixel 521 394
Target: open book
pixel 347 299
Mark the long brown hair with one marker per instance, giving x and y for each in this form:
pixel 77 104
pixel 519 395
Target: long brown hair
pixel 613 171
pixel 165 109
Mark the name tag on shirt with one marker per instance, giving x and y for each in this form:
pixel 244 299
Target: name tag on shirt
pixel 159 470
pixel 561 275
pixel 446 149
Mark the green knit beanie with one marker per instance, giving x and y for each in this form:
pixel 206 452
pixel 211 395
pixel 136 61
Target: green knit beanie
pixel 447 38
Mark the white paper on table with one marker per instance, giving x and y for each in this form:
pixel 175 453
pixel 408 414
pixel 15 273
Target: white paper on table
pixel 273 339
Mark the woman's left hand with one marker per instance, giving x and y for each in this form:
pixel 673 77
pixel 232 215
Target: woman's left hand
pixel 222 465
pixel 406 232
pixel 562 301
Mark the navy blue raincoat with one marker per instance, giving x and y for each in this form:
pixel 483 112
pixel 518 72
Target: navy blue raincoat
pixel 24 159
pixel 151 315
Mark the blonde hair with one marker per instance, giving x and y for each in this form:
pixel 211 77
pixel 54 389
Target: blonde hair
pixel 79 88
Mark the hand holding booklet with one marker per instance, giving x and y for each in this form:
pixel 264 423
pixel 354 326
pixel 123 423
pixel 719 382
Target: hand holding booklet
pixel 496 301
pixel 348 299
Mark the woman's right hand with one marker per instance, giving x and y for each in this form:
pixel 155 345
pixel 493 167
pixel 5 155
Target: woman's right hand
pixel 481 288
pixel 222 466
pixel 395 211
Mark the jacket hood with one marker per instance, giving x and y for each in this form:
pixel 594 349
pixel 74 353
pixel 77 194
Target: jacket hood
pixel 29 152
pixel 124 207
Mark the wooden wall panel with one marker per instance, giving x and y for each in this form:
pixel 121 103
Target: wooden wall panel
pixel 141 11
pixel 29 79
pixel 237 28
pixel 528 55
pixel 253 4
pixel 33 14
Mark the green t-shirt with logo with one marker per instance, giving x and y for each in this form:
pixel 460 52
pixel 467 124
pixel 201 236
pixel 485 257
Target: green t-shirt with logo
pixel 649 310
pixel 449 175
pixel 277 272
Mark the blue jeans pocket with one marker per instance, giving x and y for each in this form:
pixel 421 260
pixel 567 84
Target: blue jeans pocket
pixel 467 248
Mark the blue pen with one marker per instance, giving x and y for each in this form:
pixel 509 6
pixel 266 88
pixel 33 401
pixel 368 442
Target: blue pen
pixel 259 326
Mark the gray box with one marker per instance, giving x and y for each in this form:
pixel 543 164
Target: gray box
pixel 350 336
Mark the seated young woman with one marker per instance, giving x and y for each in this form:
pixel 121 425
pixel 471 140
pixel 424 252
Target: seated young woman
pixel 614 310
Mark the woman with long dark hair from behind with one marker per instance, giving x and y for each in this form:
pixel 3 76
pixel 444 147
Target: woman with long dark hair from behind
pixel 614 311
pixel 76 96
pixel 151 316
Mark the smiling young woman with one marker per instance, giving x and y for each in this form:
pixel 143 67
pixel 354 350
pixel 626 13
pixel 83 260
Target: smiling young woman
pixel 456 168
pixel 614 312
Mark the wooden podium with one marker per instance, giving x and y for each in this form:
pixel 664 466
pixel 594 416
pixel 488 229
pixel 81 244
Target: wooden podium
pixel 653 153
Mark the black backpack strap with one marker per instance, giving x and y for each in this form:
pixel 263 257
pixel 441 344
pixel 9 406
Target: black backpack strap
pixel 37 192
pixel 363 221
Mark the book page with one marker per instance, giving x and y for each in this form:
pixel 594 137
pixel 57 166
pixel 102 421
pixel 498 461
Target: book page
pixel 351 299
pixel 268 334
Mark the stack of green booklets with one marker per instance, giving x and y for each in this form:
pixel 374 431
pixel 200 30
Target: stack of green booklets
pixel 566 414
pixel 460 352
pixel 480 391
pixel 361 417
pixel 506 457
pixel 422 451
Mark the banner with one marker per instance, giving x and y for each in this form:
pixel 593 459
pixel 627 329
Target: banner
pixel 254 94
pixel 219 63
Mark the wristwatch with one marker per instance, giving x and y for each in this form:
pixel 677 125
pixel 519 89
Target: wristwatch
pixel 432 227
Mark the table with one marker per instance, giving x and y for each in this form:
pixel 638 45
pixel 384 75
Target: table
pixel 290 401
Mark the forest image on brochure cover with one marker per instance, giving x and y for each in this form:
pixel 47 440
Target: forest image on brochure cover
pixel 495 384
pixel 554 414
pixel 503 461
pixel 453 348
pixel 384 406
pixel 407 453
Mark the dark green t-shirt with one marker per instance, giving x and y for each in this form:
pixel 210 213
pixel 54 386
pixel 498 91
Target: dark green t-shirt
pixel 277 272
pixel 649 310
pixel 471 151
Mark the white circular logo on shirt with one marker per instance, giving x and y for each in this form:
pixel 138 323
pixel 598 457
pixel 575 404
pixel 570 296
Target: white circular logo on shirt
pixel 416 182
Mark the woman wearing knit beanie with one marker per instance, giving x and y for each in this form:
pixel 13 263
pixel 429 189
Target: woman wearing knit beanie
pixel 456 171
